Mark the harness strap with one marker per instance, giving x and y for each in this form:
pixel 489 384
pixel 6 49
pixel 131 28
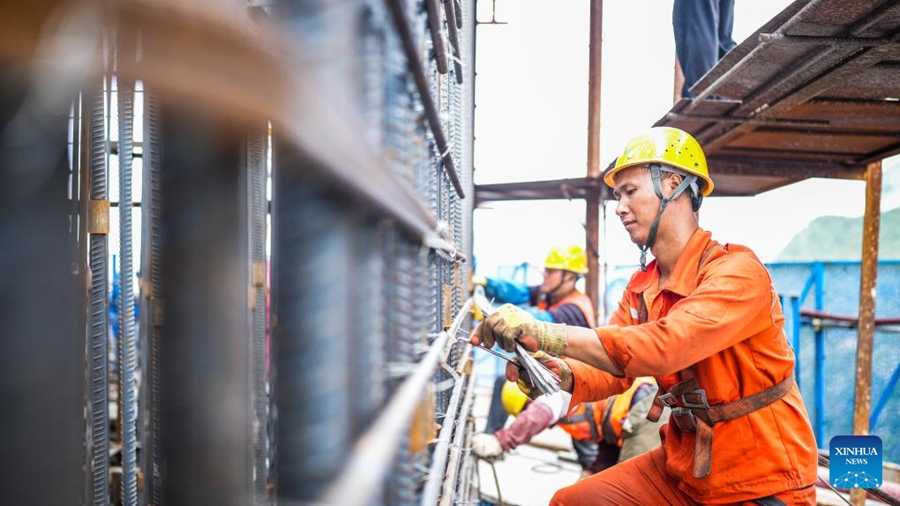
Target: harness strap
pixel 699 419
pixel 592 421
pixel 691 411
pixel 586 416
pixel 609 432
pixel 656 177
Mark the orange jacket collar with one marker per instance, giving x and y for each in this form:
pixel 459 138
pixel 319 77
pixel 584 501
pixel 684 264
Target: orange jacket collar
pixel 683 279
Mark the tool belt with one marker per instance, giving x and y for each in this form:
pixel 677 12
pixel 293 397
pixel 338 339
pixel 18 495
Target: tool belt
pixel 692 413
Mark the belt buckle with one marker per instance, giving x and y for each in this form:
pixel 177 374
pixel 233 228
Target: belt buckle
pixel 703 404
pixel 668 400
pixel 680 414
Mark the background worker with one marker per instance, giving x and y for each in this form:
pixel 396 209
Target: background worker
pixel 617 425
pixel 704 319
pixel 556 300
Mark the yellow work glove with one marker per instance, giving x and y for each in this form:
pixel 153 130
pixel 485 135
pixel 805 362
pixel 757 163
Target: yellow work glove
pixel 556 365
pixel 511 324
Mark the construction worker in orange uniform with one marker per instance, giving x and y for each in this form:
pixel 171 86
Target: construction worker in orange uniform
pixel 617 425
pixel 704 319
pixel 555 300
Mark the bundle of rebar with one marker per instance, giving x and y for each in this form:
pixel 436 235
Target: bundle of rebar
pixel 541 377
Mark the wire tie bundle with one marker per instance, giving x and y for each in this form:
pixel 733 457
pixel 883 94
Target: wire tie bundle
pixel 543 379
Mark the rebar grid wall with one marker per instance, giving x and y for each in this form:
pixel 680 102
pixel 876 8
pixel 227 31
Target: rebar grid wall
pixel 300 240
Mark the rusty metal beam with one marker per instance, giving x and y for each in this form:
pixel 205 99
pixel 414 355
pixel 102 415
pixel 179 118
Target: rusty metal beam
pixel 557 189
pixel 853 67
pixel 851 42
pixel 814 85
pixel 783 168
pixel 674 116
pixel 784 156
pixel 881 155
pixel 592 218
pixel 868 277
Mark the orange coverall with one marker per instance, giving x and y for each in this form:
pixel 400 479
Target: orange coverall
pixel 719 313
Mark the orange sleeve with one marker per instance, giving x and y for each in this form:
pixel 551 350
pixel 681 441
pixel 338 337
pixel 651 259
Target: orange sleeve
pixel 622 315
pixel 733 301
pixel 591 384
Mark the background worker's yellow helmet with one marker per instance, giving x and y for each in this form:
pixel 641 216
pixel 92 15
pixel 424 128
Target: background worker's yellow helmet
pixel 513 398
pixel 568 258
pixel 667 146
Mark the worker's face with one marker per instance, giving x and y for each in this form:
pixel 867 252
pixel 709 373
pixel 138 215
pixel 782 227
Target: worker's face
pixel 638 203
pixel 554 279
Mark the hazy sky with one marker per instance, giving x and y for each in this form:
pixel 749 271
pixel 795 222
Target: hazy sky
pixel 531 124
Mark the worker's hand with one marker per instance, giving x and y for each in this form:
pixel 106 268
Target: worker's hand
pixel 556 365
pixel 511 324
pixel 486 446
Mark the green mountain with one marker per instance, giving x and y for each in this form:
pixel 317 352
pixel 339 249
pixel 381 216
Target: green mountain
pixel 838 238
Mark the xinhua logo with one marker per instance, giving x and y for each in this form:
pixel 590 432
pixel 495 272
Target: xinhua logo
pixel 855 462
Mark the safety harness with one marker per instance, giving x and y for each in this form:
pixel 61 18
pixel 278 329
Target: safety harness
pixel 686 182
pixel 576 423
pixel 690 408
pixel 590 420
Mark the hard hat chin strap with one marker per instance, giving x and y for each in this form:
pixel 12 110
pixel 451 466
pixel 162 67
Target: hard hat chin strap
pixel 656 176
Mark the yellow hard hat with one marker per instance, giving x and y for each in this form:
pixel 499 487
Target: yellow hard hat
pixel 568 258
pixel 513 398
pixel 667 146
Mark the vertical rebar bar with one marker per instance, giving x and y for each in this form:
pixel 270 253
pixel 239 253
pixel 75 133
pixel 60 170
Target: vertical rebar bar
pixel 369 378
pixel 369 332
pixel 42 352
pixel 402 277
pixel 313 247
pixel 127 341
pixel 204 353
pixel 153 282
pixel 256 187
pixel 99 360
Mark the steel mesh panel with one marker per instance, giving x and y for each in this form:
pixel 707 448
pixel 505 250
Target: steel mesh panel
pixel 841 297
pixel 369 334
pixel 313 399
pixel 398 125
pixel 373 63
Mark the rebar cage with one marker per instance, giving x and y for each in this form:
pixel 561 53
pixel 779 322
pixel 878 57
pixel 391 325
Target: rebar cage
pixel 236 256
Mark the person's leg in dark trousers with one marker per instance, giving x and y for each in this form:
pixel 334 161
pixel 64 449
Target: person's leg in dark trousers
pixel 586 451
pixel 702 31
pixel 497 414
pixel 726 23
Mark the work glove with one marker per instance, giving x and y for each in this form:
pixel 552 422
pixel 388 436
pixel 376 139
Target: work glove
pixel 556 365
pixel 510 324
pixel 486 446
